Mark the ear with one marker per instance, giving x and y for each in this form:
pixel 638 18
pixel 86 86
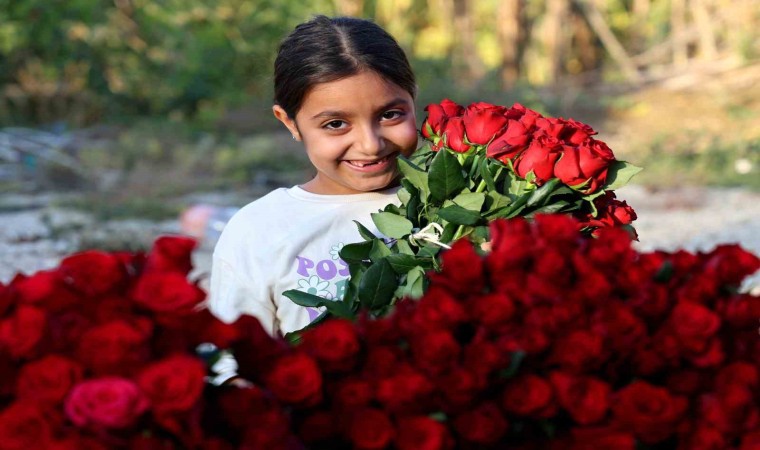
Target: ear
pixel 283 117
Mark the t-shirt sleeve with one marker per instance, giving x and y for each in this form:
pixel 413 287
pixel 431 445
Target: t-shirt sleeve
pixel 231 295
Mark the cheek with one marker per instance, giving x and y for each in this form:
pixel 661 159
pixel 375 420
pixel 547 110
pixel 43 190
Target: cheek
pixel 406 139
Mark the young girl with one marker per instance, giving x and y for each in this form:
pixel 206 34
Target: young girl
pixel 344 88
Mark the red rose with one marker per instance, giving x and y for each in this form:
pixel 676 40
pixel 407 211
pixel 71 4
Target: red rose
pixel 732 410
pixel 92 273
pixel 173 384
pixel 22 332
pixel 319 426
pixel 453 135
pixel 422 433
pixel 24 427
pixel 729 264
pixel 370 429
pixel 576 132
pixel 462 271
pixel 693 325
pixel 580 351
pixel 483 356
pixel 334 344
pixel 380 362
pixel 108 402
pixel 168 293
pixel 651 412
pixel 405 391
pixel 510 143
pixel 458 387
pixel 702 437
pixel 530 396
pixel 268 429
pixel 587 399
pixel 741 311
pixel 296 379
pixel 620 327
pixel 492 310
pixel 482 425
pixel 751 441
pixel 738 374
pixel 35 289
pixel 601 438
pixel 352 393
pixel 48 380
pixel 482 124
pixel 171 254
pixel 433 351
pixel 437 309
pixel 539 158
pixel 438 114
pixel 585 163
pixel 116 347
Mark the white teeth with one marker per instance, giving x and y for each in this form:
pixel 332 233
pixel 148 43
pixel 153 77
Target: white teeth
pixel 364 164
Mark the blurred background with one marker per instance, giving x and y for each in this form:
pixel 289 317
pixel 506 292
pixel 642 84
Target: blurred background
pixel 124 119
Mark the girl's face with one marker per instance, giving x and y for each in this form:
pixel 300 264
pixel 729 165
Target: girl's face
pixel 353 130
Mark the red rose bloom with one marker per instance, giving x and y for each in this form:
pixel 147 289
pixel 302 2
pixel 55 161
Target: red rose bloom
pixel 22 332
pixel 168 293
pixel 24 427
pixel 370 429
pixel 173 384
pixel 579 351
pixel 171 254
pixel 492 310
pixel 651 412
pixel 601 438
pixel 295 379
pixel 482 425
pixel 539 158
pixel 587 399
pixel 405 391
pixel 585 163
pixel 92 273
pixel 48 380
pixel 110 403
pixel 352 393
pixel 482 124
pixel 438 114
pixel 116 347
pixel 422 433
pixel 462 269
pixel 530 396
pixel 453 135
pixel 433 351
pixel 510 143
pixel 334 344
pixel 693 325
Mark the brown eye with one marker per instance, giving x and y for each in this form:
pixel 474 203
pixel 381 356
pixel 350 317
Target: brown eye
pixel 394 114
pixel 334 125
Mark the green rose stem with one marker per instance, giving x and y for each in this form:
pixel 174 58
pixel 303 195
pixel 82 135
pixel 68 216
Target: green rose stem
pixel 460 231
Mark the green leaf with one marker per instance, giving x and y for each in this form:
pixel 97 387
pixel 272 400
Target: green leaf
pixel 392 225
pixel 338 309
pixel 619 174
pixel 377 286
pixel 357 252
pixel 470 200
pixel 415 175
pixel 497 201
pixel 485 173
pixel 414 285
pixel 404 195
pixel 364 231
pixel 458 215
pixel 446 176
pixel 379 250
pixel 402 263
pixel 540 195
pixel 402 246
pixel 302 298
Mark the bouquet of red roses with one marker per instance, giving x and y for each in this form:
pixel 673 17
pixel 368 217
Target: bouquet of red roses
pixel 478 164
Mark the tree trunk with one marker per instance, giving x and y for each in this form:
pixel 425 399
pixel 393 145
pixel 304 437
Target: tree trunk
pixel 509 31
pixel 677 28
pixel 555 38
pixel 640 12
pixel 467 63
pixel 708 49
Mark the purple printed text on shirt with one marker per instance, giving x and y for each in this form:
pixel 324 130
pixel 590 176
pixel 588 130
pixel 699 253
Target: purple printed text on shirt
pixel 326 269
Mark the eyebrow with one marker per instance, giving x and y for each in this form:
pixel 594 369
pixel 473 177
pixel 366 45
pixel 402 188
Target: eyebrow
pixel 334 113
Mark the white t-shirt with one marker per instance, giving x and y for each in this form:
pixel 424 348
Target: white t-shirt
pixel 288 239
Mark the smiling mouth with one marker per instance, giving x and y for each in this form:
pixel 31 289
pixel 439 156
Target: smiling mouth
pixel 370 163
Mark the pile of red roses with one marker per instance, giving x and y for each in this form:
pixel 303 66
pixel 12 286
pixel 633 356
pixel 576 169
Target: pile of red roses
pixel 550 340
pixel 99 353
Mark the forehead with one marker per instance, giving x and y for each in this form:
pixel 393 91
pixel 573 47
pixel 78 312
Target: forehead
pixel 365 91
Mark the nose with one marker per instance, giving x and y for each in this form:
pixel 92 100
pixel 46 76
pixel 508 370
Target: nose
pixel 371 141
